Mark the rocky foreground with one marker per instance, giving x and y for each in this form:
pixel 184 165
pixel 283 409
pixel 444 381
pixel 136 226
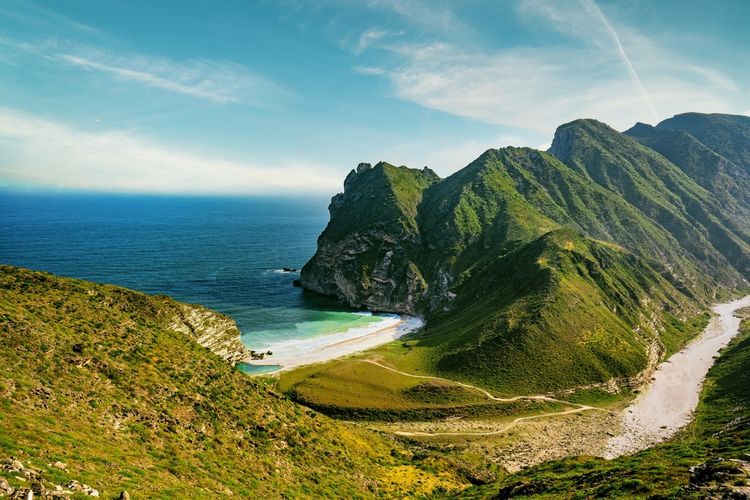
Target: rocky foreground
pixel 31 482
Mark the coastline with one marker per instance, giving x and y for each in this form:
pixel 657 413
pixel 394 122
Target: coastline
pixel 335 345
pixel 668 402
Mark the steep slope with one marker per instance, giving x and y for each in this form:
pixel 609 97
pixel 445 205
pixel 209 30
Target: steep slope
pixel 729 182
pixel 727 135
pixel 710 237
pixel 532 193
pixel 104 380
pixel 364 256
pixel 564 310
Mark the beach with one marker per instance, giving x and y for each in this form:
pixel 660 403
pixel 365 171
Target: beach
pixel 298 352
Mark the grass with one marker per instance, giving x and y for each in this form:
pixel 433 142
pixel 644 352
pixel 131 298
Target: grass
pixel 94 376
pixel 353 390
pixel 721 428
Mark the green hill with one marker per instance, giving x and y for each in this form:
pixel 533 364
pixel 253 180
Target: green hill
pixel 112 383
pixel 708 236
pixel 536 271
pixel 729 182
pixel 727 135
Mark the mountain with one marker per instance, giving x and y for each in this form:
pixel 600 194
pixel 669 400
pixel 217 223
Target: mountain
pixel 536 270
pixel 727 135
pixel 711 168
pixel 708 237
pixel 110 387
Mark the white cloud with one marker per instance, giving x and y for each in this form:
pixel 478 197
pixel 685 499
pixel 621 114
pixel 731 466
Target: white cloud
pixel 368 37
pixel 369 70
pixel 216 81
pixel 40 153
pixel 618 76
pixel 431 15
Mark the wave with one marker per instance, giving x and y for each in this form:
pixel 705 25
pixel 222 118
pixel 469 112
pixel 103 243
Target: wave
pixel 291 352
pixel 283 271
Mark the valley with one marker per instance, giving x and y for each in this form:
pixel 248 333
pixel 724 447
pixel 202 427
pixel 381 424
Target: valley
pixel 540 311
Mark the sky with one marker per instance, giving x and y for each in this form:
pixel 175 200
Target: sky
pixel 285 97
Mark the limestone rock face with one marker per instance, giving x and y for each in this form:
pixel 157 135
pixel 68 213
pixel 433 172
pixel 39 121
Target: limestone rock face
pixel 365 255
pixel 211 330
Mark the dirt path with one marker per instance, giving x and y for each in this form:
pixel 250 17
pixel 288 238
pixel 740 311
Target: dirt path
pixel 502 429
pixel 578 407
pixel 667 404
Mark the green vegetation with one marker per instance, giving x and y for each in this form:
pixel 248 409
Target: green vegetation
pixel 536 272
pixel 564 273
pixel 95 376
pixel 721 429
pixel 356 390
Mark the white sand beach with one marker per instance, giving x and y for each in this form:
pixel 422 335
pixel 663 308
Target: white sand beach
pixel 299 352
pixel 668 402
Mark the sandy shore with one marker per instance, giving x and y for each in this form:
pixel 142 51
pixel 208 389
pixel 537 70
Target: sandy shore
pixel 328 347
pixel 667 404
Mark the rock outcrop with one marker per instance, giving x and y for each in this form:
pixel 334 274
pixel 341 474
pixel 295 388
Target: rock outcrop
pixel 365 254
pixel 212 330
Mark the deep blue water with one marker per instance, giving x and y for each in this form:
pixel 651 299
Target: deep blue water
pixel 224 253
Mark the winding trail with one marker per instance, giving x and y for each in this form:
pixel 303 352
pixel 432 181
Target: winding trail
pixel 502 429
pixel 539 397
pixel 668 403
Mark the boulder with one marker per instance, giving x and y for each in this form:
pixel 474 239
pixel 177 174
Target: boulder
pixel 5 488
pixel 23 494
pixel 38 488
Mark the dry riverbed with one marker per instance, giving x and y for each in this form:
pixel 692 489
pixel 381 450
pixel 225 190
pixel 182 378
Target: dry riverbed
pixel 668 402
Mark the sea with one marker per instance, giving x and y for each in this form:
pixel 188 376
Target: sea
pixel 227 254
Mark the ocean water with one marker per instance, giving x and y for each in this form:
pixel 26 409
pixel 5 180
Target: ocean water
pixel 224 253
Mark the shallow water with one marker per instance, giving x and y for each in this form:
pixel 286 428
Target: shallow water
pixel 224 253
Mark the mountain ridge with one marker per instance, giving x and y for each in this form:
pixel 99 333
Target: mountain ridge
pixel 461 243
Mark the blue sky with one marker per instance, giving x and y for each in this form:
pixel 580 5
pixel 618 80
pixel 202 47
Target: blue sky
pixel 286 96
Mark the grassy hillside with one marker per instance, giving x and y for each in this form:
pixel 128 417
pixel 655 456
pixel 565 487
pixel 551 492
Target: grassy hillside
pixel 719 432
pixel 729 182
pixel 565 311
pixel 707 235
pixel 727 135
pixel 99 378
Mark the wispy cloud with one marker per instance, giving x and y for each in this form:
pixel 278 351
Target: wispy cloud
pixel 370 70
pixel 37 152
pixel 600 71
pixel 216 81
pixel 431 15
pixel 368 37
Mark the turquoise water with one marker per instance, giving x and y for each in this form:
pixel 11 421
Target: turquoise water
pixel 224 253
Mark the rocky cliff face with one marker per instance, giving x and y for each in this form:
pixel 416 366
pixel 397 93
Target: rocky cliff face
pixel 365 255
pixel 211 330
